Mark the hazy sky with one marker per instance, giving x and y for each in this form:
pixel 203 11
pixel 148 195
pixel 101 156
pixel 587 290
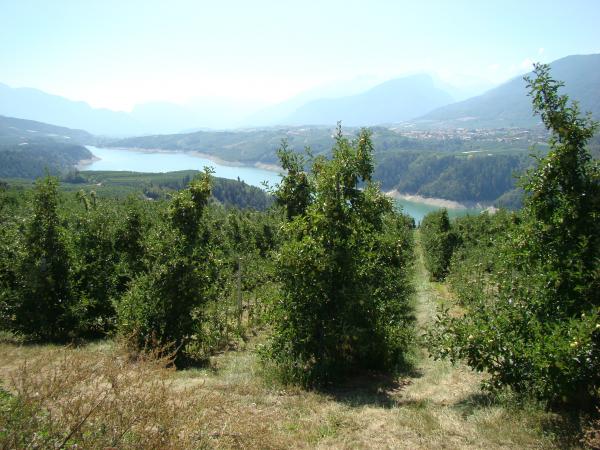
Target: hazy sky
pixel 115 53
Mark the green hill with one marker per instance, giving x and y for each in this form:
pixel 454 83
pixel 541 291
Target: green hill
pixel 17 131
pixel 28 149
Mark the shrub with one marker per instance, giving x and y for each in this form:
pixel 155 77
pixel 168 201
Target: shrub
pixel 438 243
pixel 163 304
pixel 94 261
pixel 476 257
pixel 537 329
pixel 343 272
pixel 44 293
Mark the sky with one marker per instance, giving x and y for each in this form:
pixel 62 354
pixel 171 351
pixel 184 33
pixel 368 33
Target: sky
pixel 118 53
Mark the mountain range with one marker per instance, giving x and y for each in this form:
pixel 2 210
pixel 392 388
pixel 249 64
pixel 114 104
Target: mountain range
pixel 508 105
pixel 389 102
pixel 420 99
pixel 33 104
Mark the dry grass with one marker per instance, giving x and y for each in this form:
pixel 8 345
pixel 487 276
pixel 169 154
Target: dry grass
pixel 231 404
pixel 95 397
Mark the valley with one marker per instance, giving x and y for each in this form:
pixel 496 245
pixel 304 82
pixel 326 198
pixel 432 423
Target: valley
pixel 299 225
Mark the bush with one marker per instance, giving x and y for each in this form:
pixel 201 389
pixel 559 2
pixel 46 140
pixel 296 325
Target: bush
pixel 438 243
pixel 94 261
pixel 537 328
pixel 343 271
pixel 163 305
pixel 44 291
pixel 476 255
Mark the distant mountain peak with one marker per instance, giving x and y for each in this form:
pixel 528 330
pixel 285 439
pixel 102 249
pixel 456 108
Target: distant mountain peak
pixel 507 105
pixel 392 101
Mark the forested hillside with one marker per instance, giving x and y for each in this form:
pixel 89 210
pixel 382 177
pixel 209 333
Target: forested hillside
pixel 152 187
pixel 33 159
pixel 16 131
pixel 477 167
pixel 473 178
pixel 28 149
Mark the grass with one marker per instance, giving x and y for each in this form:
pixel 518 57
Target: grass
pixel 229 405
pixel 232 403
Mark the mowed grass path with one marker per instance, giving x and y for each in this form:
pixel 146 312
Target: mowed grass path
pixel 436 405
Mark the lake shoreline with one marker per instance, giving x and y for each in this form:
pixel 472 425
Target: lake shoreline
pixel 162 161
pixel 82 163
pixel 431 201
pixel 257 165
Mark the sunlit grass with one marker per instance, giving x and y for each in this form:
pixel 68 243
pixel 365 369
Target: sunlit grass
pixel 233 403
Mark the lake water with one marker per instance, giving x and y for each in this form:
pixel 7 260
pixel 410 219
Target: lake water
pixel 154 162
pixel 418 210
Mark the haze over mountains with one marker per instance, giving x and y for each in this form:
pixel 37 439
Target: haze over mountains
pixel 508 106
pixel 33 104
pixel 393 101
pixel 358 102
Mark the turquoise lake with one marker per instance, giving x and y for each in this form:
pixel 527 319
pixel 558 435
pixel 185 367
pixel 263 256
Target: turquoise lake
pixel 418 210
pixel 154 162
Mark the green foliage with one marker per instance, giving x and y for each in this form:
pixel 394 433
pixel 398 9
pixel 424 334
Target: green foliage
pixel 295 190
pixel 10 253
pixel 162 305
pixel 475 256
pixel 45 289
pixel 94 278
pixel 130 240
pixel 535 325
pixel 476 177
pixel 159 186
pixel 164 272
pixel 187 206
pixel 34 159
pixel 343 273
pixel 438 243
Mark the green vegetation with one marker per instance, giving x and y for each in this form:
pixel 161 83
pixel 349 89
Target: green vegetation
pixel 96 396
pixel 153 186
pixel 163 304
pixel 43 294
pixel 77 265
pixel 31 160
pixel 531 309
pixel 321 290
pixel 472 178
pixel 438 242
pixel 29 149
pixel 163 185
pixel 343 270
